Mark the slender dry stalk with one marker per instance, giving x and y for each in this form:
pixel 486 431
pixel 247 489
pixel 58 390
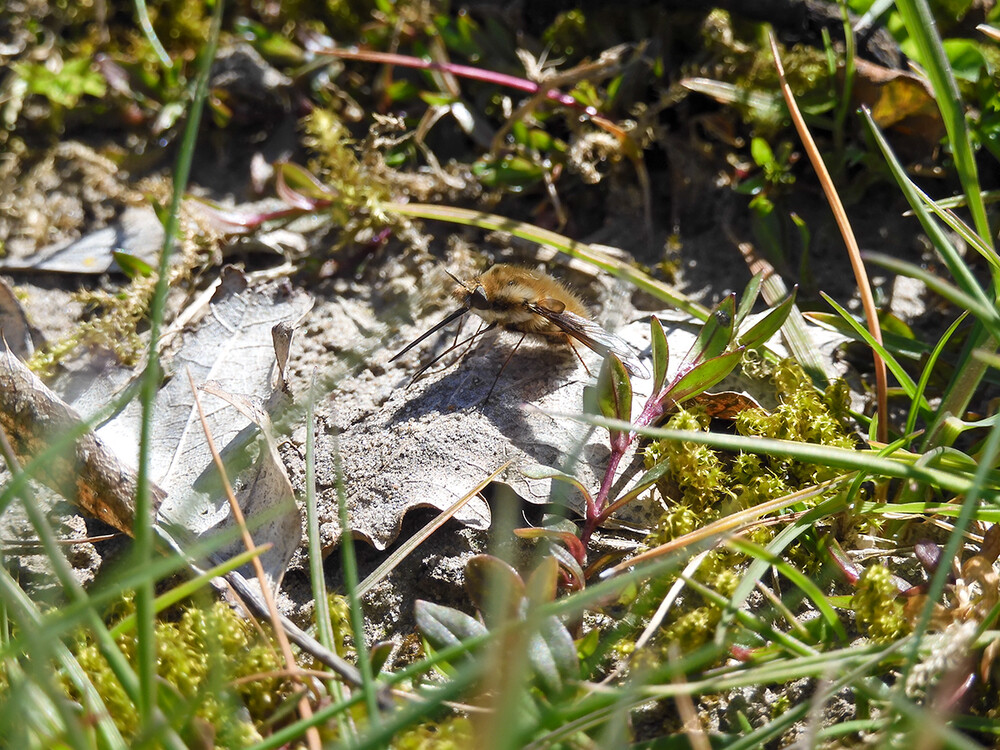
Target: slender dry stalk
pixel 853 251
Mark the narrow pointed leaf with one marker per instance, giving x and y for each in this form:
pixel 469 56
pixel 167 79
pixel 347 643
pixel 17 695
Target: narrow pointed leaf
pixel 716 334
pixel 750 294
pixel 545 472
pixel 298 187
pixel 494 587
pixel 379 654
pixel 770 324
pixel 444 626
pixel 982 310
pixel 646 481
pixel 614 393
pixel 541 586
pixel 553 655
pixel 890 361
pixel 703 376
pixel 661 353
pixel 569 561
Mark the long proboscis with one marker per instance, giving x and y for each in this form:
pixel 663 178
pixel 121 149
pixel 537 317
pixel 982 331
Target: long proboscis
pixel 449 350
pixel 451 316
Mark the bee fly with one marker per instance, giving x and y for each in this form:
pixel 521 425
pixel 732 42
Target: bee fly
pixel 529 302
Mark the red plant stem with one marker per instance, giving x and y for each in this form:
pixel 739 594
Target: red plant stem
pixel 597 509
pixel 464 71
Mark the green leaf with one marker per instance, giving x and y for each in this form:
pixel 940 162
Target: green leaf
pixel 444 626
pixel 299 187
pixel 131 265
pixel 646 481
pixel 568 562
pixel 65 87
pixel 541 586
pixel 750 294
pixel 966 59
pixel 770 324
pixel 761 152
pixel 614 393
pixel 716 334
pixel 703 376
pixel 661 353
pixel 494 588
pixel 553 656
pixel 379 654
pixel 514 172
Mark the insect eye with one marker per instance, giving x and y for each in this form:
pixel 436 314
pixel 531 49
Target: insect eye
pixel 478 299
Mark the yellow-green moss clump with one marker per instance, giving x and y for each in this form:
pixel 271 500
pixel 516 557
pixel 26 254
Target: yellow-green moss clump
pixel 198 659
pixel 453 733
pixel 876 606
pixel 358 174
pixel 703 485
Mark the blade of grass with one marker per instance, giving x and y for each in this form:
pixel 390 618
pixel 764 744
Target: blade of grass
pixel 968 374
pixel 809 588
pixel 759 566
pixel 183 591
pixel 324 627
pixel 144 537
pixel 900 466
pixel 581 250
pixel 350 571
pixel 925 375
pixel 45 651
pixel 75 592
pixel 909 387
pixel 732 524
pixel 142 13
pixel 922 30
pixel 795 332
pixel 956 539
pixel 973 304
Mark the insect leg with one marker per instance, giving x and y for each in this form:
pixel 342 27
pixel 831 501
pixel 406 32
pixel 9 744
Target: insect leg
pixel 451 348
pixel 572 346
pixel 504 366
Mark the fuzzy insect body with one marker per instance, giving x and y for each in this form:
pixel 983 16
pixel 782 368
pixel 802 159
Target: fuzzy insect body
pixel 532 302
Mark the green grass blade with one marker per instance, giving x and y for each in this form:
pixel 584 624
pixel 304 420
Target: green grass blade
pixel 581 250
pixel 922 28
pixel 143 529
pixel 350 565
pixel 902 377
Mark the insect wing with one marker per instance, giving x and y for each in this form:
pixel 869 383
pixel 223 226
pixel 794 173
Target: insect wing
pixel 591 335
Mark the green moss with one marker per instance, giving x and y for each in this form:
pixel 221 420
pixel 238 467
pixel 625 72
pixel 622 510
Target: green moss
pixel 692 628
pixel 876 606
pixel 703 485
pixel 361 183
pixel 738 54
pixel 567 33
pixel 199 658
pixel 452 733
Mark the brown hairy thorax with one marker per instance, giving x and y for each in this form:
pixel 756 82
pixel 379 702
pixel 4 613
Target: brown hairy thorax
pixel 506 295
